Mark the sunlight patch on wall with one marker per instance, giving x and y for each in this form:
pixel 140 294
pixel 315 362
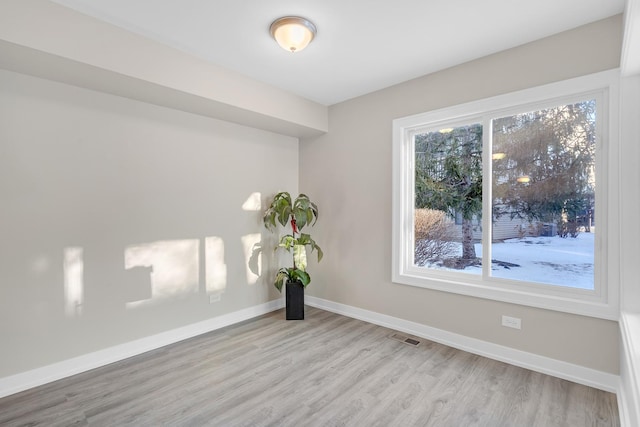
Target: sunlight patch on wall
pixel 252 256
pixel 253 202
pixel 215 268
pixel 174 268
pixel 73 268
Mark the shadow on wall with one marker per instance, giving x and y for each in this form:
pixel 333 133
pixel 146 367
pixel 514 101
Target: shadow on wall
pixel 166 269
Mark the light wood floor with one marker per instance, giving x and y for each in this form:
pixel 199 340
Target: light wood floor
pixel 327 370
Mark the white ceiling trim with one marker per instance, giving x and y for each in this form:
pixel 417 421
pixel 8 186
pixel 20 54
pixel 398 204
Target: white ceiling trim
pixel 89 53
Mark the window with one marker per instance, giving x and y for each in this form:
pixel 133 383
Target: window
pixel 543 195
pixel 506 198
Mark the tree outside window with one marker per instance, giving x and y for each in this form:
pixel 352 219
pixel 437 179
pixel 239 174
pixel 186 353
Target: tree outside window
pixel 543 185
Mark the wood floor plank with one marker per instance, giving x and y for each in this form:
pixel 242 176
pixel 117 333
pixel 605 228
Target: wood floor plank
pixel 328 370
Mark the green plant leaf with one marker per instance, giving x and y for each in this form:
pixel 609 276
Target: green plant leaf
pixel 303 276
pixel 283 215
pixel 287 241
pixel 314 211
pixel 281 279
pixel 300 257
pixel 304 211
pixel 282 210
pixel 305 239
pixel 291 275
pixel 301 218
pixel 269 219
pixel 309 216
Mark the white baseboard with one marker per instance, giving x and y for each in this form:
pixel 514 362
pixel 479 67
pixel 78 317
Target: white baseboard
pixel 534 362
pixel 629 395
pixel 579 374
pixel 39 376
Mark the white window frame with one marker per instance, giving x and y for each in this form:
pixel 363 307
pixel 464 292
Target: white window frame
pixel 603 301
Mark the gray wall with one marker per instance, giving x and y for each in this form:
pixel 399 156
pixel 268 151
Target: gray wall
pixel 115 199
pixel 355 198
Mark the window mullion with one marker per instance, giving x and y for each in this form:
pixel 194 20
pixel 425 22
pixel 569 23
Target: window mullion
pixel 487 172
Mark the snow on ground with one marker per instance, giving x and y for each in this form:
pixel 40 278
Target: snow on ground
pixel 551 260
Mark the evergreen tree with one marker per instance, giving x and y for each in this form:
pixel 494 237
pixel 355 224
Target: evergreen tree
pixel 545 169
pixel 448 176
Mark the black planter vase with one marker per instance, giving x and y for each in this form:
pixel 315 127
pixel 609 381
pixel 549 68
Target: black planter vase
pixel 294 294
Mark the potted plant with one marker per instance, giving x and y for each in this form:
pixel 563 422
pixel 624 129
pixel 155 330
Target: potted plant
pixel 297 214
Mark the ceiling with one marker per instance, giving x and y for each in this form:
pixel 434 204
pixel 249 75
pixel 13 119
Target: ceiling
pixel 361 45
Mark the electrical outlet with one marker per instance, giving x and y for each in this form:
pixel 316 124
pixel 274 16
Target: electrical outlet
pixel 214 298
pixel 511 322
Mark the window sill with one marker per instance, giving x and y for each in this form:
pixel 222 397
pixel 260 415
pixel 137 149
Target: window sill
pixel 548 301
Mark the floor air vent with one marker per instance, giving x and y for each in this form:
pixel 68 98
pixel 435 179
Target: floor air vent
pixel 405 339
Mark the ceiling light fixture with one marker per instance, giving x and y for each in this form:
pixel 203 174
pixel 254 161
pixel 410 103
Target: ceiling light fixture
pixel 293 33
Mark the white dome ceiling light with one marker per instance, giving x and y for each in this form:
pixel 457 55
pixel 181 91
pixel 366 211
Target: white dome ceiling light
pixel 293 33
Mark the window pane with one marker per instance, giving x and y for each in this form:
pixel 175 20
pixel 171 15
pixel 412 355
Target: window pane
pixel 543 219
pixel 448 199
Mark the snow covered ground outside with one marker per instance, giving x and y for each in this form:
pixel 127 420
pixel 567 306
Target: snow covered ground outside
pixel 551 260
